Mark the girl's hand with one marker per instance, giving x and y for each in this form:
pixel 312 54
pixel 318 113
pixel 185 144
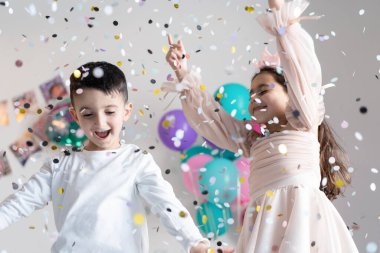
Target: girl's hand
pixel 176 57
pixel 202 248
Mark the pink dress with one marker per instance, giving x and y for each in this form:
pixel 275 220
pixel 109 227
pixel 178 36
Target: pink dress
pixel 287 212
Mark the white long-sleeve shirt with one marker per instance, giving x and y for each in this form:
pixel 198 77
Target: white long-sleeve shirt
pixel 97 203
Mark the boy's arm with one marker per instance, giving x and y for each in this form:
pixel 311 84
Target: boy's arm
pixel 299 61
pixel 173 215
pixel 33 195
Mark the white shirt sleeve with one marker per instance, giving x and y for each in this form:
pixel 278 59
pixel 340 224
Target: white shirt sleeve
pixel 173 215
pixel 33 195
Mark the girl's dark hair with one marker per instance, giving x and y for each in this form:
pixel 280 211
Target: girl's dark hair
pixel 329 147
pixel 102 76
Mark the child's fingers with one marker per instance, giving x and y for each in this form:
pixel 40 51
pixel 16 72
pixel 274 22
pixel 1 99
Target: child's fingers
pixel 170 39
pixel 181 46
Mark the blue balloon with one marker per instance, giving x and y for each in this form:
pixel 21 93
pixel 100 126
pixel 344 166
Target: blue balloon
pixel 213 219
pixel 219 180
pixel 235 99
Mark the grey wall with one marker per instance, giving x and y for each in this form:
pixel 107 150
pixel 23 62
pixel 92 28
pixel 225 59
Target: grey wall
pixel 350 56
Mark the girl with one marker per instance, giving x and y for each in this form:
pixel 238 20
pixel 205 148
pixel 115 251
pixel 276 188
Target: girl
pixel 296 166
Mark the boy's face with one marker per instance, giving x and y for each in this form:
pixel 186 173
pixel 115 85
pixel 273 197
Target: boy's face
pixel 101 117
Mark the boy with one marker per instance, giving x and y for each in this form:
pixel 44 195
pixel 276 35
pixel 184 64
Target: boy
pixel 96 192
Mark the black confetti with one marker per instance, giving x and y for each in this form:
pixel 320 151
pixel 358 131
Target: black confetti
pixel 115 23
pixel 29 143
pixel 150 51
pixel 55 160
pixel 166 25
pixel 167 171
pixel 14 186
pixel 26 105
pixel 363 110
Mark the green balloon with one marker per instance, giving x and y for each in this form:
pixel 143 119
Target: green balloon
pixel 62 129
pixel 213 219
pixel 195 150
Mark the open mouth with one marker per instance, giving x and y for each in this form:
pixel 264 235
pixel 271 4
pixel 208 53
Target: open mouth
pixel 102 134
pixel 260 108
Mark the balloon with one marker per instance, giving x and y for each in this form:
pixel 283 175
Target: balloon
pixel 209 143
pixel 214 220
pixel 235 99
pixel 221 153
pixel 218 181
pixel 195 151
pixel 61 127
pixel 191 176
pixel 243 166
pixel 175 132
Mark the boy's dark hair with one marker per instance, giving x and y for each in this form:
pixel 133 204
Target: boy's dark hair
pixel 102 76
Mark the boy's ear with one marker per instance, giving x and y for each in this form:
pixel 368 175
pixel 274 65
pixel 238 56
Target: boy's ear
pixel 127 111
pixel 73 114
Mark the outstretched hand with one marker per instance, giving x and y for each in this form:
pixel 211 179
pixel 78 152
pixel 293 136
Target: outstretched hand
pixel 203 248
pixel 176 57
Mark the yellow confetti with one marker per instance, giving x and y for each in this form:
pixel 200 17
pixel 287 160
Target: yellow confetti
pixel 210 250
pixel 270 194
pixel 22 111
pixel 268 207
pixel 54 147
pixel 156 91
pixel 249 9
pixel 219 95
pixel 119 63
pixel 242 180
pixel 182 214
pixel 233 50
pixel 181 156
pixel 339 183
pixel 116 37
pixel 143 72
pixel 165 123
pixel 60 206
pixel 61 190
pixel 176 6
pixel 77 73
pixel 202 87
pixel 164 49
pixel 141 112
pixel 258 208
pixel 204 219
pixel 39 111
pixel 138 218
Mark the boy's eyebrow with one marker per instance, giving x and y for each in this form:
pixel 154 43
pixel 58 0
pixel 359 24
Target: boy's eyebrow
pixel 88 108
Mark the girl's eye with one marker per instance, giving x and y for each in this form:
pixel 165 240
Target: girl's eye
pixel 87 115
pixel 262 92
pixel 109 113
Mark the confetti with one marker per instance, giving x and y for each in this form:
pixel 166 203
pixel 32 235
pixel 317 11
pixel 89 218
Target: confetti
pixel 249 9
pixel 138 219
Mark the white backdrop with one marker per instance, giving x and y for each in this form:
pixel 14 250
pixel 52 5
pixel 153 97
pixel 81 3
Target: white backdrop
pixel 228 37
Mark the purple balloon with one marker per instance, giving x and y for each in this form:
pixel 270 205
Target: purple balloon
pixel 210 144
pixel 175 132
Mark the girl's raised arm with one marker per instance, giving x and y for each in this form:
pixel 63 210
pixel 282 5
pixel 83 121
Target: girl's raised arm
pixel 299 61
pixel 203 113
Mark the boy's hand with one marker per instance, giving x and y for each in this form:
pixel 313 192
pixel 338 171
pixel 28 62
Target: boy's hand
pixel 203 248
pixel 176 57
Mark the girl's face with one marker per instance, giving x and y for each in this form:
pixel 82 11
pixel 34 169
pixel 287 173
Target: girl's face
pixel 269 99
pixel 101 117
